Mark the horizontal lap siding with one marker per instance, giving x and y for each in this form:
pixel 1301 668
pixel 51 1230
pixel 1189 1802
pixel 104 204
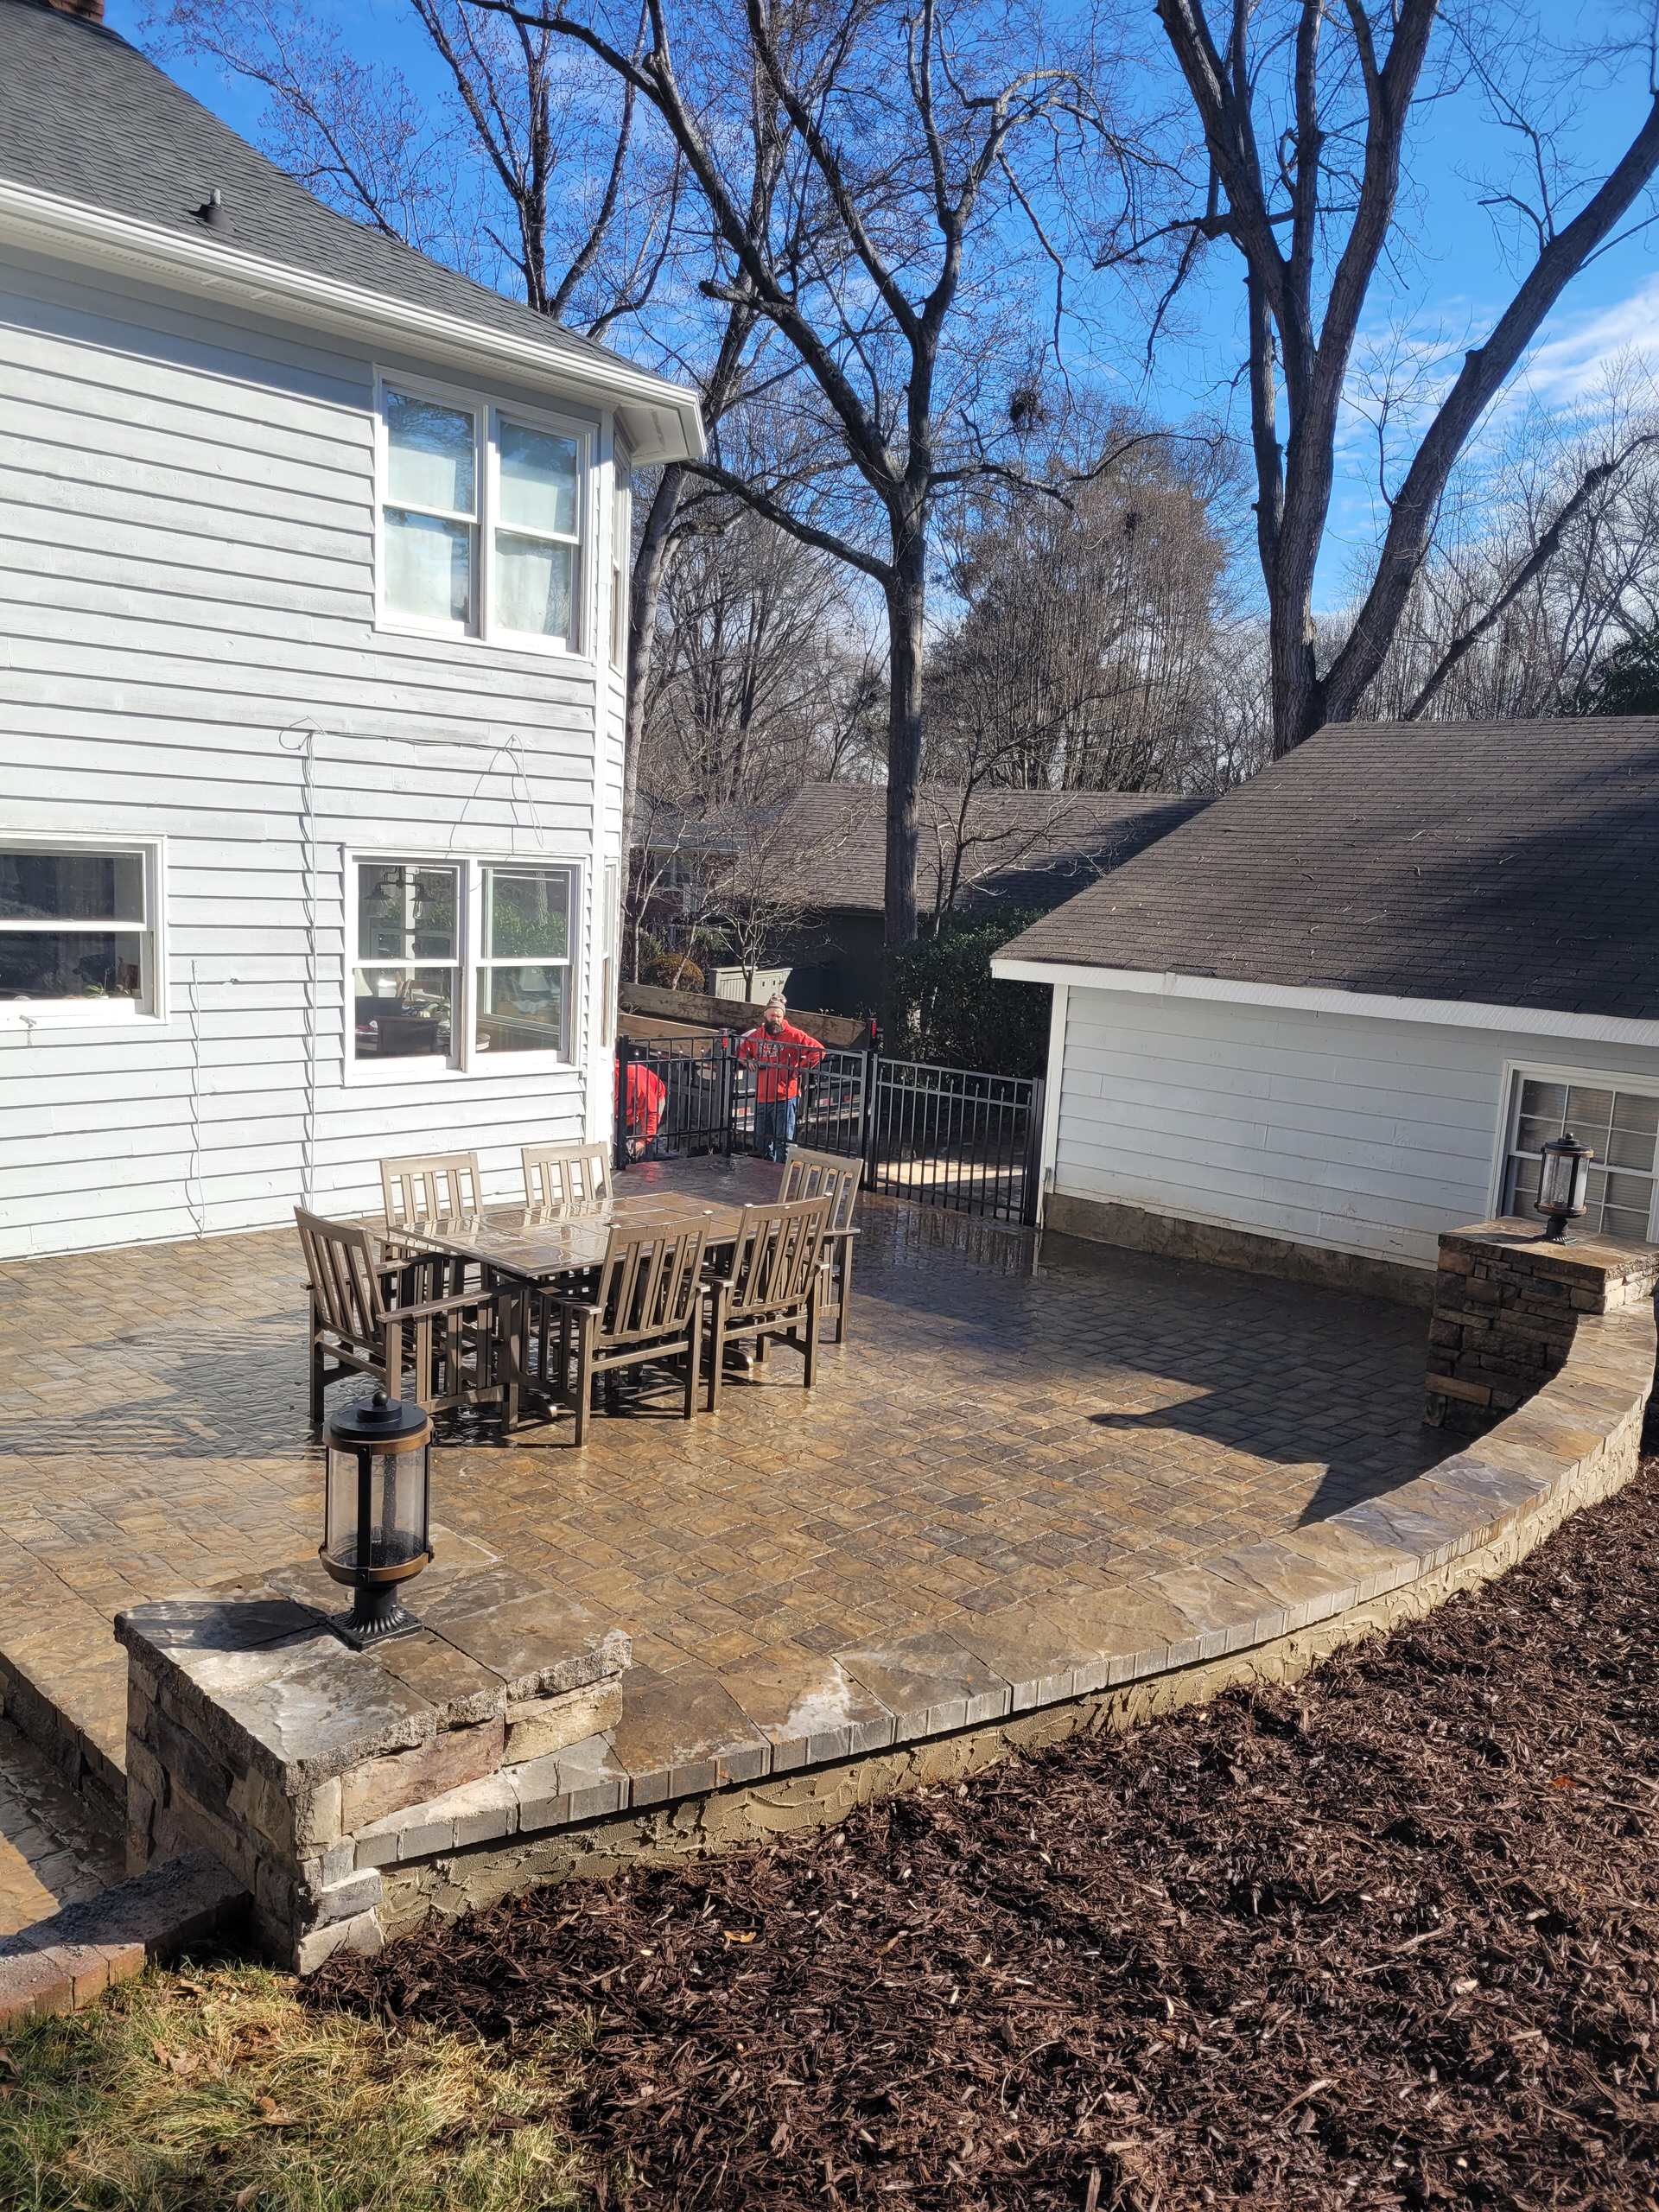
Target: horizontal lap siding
pixel 187 520
pixel 1360 1135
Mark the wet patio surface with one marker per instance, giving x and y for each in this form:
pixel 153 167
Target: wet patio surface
pixel 1008 1425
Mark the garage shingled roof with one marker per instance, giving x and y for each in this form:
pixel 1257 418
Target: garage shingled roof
pixel 1510 864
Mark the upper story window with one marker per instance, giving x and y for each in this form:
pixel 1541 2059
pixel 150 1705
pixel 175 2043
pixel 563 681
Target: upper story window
pixel 79 928
pixel 482 520
pixel 1620 1124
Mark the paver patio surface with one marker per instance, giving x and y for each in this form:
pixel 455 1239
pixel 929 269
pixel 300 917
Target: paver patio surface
pixel 1006 1426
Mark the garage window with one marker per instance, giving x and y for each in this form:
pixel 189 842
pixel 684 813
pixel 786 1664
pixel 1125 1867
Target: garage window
pixel 1619 1123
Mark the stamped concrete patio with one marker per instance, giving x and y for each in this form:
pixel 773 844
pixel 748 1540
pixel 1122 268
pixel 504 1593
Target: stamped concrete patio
pixel 1006 1427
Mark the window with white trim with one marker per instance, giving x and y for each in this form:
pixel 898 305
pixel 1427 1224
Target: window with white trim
pixel 1619 1121
pixel 79 926
pixel 523 966
pixel 481 520
pixel 458 960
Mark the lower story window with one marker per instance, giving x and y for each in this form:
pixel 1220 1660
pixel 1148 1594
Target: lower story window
pixel 523 970
pixel 78 927
pixel 1620 1125
pixel 458 959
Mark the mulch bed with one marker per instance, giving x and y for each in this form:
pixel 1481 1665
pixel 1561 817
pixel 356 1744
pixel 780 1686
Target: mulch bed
pixel 1387 1938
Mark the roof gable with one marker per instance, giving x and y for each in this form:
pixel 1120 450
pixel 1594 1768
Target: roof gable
pixel 86 119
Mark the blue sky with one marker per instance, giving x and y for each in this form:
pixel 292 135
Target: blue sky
pixel 1443 297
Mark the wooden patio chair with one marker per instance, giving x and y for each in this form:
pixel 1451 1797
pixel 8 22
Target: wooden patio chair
pixel 815 1175
pixel 773 1285
pixel 422 1185
pixel 647 1305
pixel 365 1320
pixel 566 1174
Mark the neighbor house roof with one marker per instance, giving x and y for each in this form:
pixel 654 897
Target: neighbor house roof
pixel 1021 847
pixel 1503 864
pixel 94 138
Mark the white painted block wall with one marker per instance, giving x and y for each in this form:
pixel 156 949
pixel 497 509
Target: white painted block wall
pixel 1356 1135
pixel 187 651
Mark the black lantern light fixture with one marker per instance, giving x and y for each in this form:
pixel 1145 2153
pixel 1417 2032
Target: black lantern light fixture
pixel 1563 1178
pixel 377 1519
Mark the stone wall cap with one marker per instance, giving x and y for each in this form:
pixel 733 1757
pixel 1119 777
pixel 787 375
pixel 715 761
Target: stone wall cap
pixel 1587 1256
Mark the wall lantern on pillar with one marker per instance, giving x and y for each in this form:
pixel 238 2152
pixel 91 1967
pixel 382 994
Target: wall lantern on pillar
pixel 377 1514
pixel 1563 1178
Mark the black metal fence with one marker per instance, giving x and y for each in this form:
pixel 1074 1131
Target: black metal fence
pixel 955 1137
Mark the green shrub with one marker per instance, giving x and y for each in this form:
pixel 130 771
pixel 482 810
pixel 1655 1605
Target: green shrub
pixel 671 973
pixel 959 1014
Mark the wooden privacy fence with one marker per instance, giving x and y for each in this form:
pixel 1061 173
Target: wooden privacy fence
pixel 956 1137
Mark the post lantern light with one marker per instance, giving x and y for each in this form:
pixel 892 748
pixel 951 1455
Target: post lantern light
pixel 377 1514
pixel 1563 1178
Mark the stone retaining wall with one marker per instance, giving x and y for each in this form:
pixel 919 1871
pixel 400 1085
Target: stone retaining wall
pixel 254 1732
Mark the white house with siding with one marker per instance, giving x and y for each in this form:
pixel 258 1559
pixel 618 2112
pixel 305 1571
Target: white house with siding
pixel 312 564
pixel 1339 1010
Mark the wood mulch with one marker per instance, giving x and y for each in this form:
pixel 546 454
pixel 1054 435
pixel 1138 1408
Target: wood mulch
pixel 1387 1938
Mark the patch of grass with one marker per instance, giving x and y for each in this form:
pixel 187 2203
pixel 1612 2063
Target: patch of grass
pixel 212 2090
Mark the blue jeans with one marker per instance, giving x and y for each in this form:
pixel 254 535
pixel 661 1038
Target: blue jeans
pixel 774 1127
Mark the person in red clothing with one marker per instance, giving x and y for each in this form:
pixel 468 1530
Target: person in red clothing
pixel 643 1097
pixel 779 1055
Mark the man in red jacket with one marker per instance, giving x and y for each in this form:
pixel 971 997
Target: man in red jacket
pixel 779 1055
pixel 643 1097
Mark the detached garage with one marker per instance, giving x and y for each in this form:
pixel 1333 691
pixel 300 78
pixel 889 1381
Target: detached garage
pixel 1340 1011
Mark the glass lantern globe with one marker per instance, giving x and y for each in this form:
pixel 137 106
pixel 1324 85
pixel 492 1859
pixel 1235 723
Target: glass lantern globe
pixel 1563 1179
pixel 377 1513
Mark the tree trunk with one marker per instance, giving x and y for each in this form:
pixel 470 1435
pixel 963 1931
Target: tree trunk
pixel 906 598
pixel 1299 701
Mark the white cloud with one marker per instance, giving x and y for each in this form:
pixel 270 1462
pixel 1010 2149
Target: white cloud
pixel 1565 370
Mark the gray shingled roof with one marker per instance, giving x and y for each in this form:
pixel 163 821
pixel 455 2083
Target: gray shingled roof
pixel 85 116
pixel 1503 864
pixel 1023 849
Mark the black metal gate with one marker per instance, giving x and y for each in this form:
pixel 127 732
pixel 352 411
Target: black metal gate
pixel 955 1137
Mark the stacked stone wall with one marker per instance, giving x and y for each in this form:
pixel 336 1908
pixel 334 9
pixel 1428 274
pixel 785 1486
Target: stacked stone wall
pixel 1507 1304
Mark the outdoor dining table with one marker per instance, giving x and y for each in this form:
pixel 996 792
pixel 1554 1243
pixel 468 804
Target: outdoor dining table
pixel 522 1248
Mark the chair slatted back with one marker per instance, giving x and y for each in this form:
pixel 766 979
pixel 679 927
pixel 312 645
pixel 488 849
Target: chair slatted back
pixel 420 1186
pixel 813 1174
pixel 649 1284
pixel 566 1174
pixel 776 1253
pixel 342 1262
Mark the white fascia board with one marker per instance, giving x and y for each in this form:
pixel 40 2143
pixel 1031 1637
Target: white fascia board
pixel 663 420
pixel 1375 1005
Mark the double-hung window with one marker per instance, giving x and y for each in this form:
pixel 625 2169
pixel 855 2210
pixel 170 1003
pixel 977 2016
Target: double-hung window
pixel 523 962
pixel 79 927
pixel 405 986
pixel 482 520
pixel 458 962
pixel 1619 1123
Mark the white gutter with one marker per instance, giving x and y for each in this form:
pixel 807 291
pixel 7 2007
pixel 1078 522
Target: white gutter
pixel 1376 1006
pixel 664 419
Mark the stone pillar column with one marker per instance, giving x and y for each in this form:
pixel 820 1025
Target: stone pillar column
pixel 1506 1305
pixel 304 1766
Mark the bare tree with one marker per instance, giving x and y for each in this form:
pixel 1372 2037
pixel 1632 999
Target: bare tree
pixel 1094 630
pixel 1305 108
pixel 1546 559
pixel 915 144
